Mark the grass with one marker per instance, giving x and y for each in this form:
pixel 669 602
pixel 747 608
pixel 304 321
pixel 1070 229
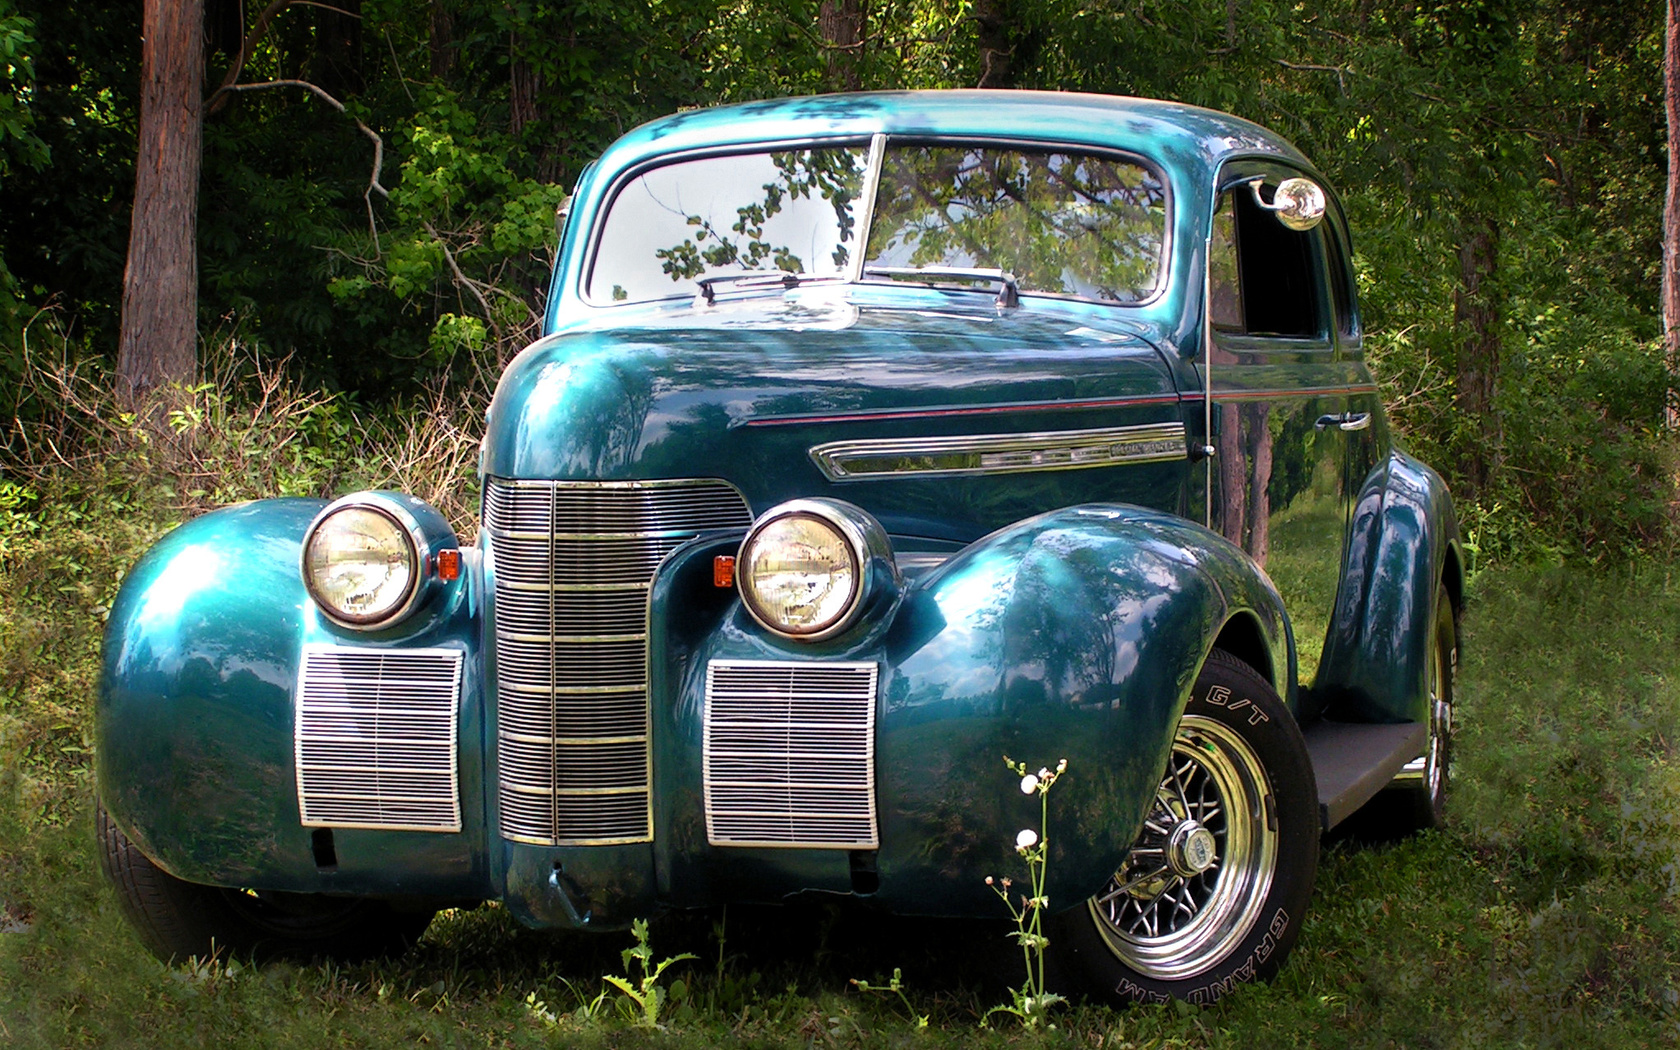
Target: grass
pixel 1543 915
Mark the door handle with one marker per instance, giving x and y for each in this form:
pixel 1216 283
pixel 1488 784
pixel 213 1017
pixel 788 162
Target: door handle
pixel 1344 421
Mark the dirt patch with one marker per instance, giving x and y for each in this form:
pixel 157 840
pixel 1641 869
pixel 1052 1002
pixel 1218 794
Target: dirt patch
pixel 14 918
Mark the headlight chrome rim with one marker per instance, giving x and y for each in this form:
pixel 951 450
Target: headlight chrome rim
pixel 414 543
pixel 865 542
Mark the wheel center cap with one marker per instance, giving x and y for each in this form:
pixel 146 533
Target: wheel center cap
pixel 1192 849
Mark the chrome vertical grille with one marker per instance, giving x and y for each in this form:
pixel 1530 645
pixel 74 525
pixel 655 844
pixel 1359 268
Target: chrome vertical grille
pixel 573 561
pixel 790 754
pixel 374 738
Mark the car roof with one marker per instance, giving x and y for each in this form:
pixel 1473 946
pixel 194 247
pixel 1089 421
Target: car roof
pixel 1171 132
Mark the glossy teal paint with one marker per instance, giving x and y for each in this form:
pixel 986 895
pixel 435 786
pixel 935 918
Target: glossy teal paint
pixel 193 727
pixel 1075 634
pixel 1070 622
pixel 743 392
pixel 1402 547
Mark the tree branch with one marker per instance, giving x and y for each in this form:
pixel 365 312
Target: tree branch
pixel 218 98
pixel 327 7
pixel 466 282
pixel 1307 67
pixel 374 185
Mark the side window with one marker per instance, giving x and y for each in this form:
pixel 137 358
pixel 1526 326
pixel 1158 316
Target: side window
pixel 1225 302
pixel 1263 278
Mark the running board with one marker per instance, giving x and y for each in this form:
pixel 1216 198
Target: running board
pixel 1352 762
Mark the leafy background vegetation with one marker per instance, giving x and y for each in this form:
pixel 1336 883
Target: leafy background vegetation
pixel 1502 162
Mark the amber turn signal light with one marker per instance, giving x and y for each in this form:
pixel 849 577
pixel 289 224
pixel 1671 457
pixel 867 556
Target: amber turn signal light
pixel 449 565
pixel 723 570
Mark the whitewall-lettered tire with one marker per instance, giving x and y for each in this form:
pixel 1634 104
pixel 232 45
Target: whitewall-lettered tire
pixel 1213 890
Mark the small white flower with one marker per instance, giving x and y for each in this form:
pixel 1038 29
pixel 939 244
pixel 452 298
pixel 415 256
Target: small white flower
pixel 1029 784
pixel 1027 839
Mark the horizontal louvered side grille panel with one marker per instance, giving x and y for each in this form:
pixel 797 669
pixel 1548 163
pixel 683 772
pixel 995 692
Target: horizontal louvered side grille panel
pixel 790 754
pixel 573 561
pixel 374 738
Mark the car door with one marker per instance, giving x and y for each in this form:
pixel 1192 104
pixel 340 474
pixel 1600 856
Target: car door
pixel 1286 401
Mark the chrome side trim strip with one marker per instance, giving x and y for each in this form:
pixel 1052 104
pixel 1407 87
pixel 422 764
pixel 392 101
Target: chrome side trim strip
pixel 977 454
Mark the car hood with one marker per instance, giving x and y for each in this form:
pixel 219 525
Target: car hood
pixel 744 391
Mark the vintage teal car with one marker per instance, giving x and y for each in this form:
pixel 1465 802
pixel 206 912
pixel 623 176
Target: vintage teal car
pixel 872 438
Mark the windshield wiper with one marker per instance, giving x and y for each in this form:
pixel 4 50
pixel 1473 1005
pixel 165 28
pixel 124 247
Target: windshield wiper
pixel 1009 292
pixel 753 279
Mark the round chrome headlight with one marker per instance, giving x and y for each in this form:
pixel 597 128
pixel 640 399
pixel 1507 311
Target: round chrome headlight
pixel 805 565
pixel 360 564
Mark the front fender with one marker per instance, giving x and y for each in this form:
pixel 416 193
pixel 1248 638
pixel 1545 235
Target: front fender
pixel 1404 543
pixel 1075 634
pixel 194 721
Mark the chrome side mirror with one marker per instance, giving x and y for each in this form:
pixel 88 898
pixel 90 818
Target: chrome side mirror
pixel 1298 203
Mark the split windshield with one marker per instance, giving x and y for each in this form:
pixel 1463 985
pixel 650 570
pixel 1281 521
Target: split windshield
pixel 1063 223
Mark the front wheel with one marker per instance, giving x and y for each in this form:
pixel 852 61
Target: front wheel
pixel 176 919
pixel 1213 890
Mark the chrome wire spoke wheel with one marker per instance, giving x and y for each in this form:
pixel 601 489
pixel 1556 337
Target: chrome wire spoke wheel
pixel 1440 720
pixel 1196 879
pixel 1425 779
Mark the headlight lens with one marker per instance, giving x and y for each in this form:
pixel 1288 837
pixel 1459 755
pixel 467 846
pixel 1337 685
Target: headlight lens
pixel 360 565
pixel 799 574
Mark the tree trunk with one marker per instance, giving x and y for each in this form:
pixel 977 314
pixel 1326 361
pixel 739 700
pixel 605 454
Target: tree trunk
pixel 159 340
pixel 992 23
pixel 840 22
pixel 1259 545
pixel 1476 315
pixel 224 26
pixel 442 42
pixel 1233 477
pixel 1008 44
pixel 523 86
pixel 1671 209
pixel 336 65
pixel 526 110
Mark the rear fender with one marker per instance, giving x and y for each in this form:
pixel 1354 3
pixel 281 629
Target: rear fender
pixel 1403 544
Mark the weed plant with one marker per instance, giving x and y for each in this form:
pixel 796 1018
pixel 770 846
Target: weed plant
pixel 1031 1002
pixel 1544 914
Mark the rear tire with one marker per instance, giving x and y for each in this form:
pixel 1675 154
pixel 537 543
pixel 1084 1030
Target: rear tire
pixel 1214 888
pixel 176 919
pixel 1421 788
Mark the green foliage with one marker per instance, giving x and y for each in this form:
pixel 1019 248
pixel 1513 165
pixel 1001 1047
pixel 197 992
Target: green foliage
pixel 17 83
pixel 1538 121
pixel 19 146
pixel 648 997
pixel 64 225
pixel 894 987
